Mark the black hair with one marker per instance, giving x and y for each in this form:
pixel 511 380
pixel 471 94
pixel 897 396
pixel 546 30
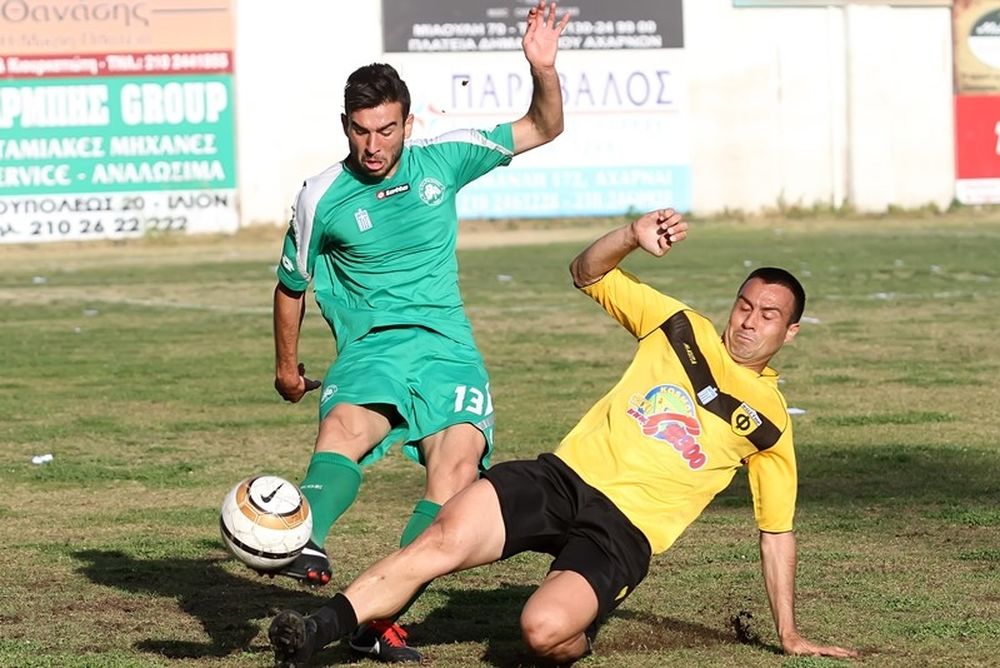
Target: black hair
pixel 776 275
pixel 373 85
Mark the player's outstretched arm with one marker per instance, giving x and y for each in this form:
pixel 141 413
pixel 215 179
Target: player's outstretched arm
pixel 778 560
pixel 544 120
pixel 655 232
pixel 289 375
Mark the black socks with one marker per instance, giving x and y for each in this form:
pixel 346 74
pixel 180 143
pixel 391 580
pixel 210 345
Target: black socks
pixel 334 620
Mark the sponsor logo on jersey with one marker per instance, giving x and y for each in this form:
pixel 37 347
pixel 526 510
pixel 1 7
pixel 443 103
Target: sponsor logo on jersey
pixel 692 359
pixel 328 392
pixel 287 264
pixel 667 413
pixel 395 190
pixel 744 420
pixel 431 191
pixel 707 394
pixel 363 220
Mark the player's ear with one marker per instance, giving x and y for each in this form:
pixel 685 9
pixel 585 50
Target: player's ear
pixel 791 332
pixel 408 126
pixel 344 122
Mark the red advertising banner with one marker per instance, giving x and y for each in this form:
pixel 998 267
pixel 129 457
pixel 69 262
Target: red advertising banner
pixel 976 30
pixel 977 149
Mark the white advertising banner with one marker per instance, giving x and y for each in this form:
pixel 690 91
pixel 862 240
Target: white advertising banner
pixel 625 146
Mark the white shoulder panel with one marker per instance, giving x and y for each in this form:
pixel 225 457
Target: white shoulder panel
pixel 463 136
pixel 305 212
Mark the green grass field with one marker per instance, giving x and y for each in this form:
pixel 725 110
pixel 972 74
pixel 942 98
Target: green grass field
pixel 145 369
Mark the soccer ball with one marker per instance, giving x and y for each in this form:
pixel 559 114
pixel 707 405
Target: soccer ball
pixel 265 522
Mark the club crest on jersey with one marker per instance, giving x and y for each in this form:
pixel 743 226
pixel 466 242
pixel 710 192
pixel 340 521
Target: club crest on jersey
pixel 667 413
pixel 395 190
pixel 744 420
pixel 431 191
pixel 363 220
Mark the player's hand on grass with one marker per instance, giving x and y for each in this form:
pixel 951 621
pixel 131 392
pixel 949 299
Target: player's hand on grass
pixel 541 37
pixel 293 387
pixel 657 231
pixel 799 646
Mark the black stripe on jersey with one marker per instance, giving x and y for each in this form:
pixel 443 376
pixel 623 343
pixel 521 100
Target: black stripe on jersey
pixel 680 334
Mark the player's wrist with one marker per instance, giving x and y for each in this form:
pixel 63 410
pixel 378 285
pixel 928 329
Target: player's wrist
pixel 543 70
pixel 632 235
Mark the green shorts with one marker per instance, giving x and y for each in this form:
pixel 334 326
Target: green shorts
pixel 433 382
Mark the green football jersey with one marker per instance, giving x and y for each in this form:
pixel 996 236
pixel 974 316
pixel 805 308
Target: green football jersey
pixel 383 254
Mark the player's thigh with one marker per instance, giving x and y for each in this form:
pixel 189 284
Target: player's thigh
pixel 371 370
pixel 352 430
pixel 559 610
pixel 364 396
pixel 536 504
pixel 450 387
pixel 468 532
pixel 452 457
pixel 608 551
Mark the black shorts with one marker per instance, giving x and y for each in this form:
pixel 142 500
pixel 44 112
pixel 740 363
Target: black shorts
pixel 548 508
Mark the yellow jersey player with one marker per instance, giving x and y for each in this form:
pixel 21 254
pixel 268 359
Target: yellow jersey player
pixel 641 465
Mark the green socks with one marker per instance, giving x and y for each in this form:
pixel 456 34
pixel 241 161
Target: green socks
pixel 331 485
pixel 423 514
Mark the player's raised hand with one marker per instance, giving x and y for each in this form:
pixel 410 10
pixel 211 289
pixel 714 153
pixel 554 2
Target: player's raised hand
pixel 658 231
pixel 293 388
pixel 541 37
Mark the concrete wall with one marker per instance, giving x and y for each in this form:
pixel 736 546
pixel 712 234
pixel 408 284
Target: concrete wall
pixel 801 106
pixel 821 105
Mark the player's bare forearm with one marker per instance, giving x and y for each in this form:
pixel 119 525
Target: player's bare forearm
pixel 655 232
pixel 289 307
pixel 778 561
pixel 289 374
pixel 603 255
pixel 544 120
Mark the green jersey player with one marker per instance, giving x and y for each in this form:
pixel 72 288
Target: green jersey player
pixel 375 234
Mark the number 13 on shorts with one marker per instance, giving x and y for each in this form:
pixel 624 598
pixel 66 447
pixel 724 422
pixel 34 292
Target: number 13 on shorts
pixel 470 399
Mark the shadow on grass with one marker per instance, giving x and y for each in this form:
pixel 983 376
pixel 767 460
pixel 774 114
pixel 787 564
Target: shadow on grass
pixel 227 607
pixel 491 616
pixel 909 472
pixel 904 473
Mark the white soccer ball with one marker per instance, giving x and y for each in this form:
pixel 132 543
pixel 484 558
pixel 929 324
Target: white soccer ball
pixel 265 522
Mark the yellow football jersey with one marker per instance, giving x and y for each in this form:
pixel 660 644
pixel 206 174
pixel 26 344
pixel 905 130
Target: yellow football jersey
pixel 684 417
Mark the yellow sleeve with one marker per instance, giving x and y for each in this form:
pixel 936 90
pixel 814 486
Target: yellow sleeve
pixel 636 306
pixel 774 484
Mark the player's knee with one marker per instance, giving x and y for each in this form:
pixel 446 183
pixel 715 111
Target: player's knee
pixel 344 433
pixel 464 472
pixel 546 632
pixel 441 544
pixel 446 479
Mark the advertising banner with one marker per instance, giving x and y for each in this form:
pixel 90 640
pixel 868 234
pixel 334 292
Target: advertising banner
pixel 840 3
pixel 976 29
pixel 116 119
pixel 497 25
pixel 625 145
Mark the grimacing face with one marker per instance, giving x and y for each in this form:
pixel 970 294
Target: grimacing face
pixel 758 324
pixel 375 136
